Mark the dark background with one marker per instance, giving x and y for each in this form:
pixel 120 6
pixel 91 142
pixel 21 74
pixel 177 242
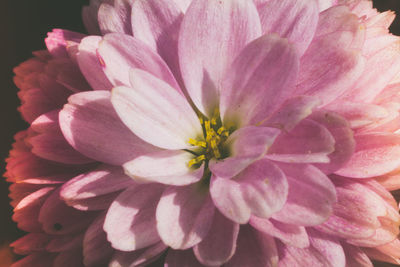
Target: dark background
pixel 23 27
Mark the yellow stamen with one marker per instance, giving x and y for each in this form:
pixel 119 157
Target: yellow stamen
pixel 196 160
pixel 194 142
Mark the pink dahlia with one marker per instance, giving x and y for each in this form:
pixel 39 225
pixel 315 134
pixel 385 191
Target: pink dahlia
pixel 211 133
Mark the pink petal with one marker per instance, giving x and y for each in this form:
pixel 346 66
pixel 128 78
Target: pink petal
pixel 140 257
pixel 89 17
pixel 220 243
pixel 311 196
pixel 355 256
pixel 91 125
pixel 292 111
pixel 246 145
pixel 207 49
pixel 57 41
pixel 260 79
pixel 120 53
pixel 308 142
pixel 261 189
pixel 30 243
pixel 90 65
pixel 375 154
pixel 325 4
pixel 101 181
pixel 156 112
pixel 96 249
pixel 289 234
pixel 64 243
pixel 184 216
pixel 171 168
pixel 182 258
pixel 157 24
pixel 69 258
pixel 339 128
pixel 115 16
pixel 295 20
pixel 130 223
pixel 254 249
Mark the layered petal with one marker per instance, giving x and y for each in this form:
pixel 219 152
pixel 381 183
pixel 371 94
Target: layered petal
pixel 231 25
pixel 115 16
pixel 260 79
pixel 156 112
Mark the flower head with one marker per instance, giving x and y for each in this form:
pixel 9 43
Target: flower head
pixel 234 133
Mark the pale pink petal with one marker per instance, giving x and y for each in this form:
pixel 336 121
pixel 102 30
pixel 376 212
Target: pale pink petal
pixel 311 196
pixel 260 79
pixel 289 234
pixel 295 20
pixel 91 125
pixel 101 181
pixel 183 4
pixel 254 249
pixel 387 253
pixel 130 223
pixel 115 16
pixel 119 53
pixel 157 24
pixel 220 243
pixel 340 129
pixel 140 257
pixel 308 142
pixel 375 154
pixel 181 258
pixel 325 4
pixel 292 111
pixel 166 167
pixel 231 25
pixel 184 216
pixel 246 145
pixel 261 189
pixel 90 65
pixel 96 249
pixel 156 112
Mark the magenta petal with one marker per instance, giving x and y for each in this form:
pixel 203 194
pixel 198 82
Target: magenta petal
pixel 246 145
pixel 120 53
pixel 292 111
pixel 311 196
pixel 375 154
pixel 171 168
pixel 130 223
pixel 157 24
pixel 115 16
pixel 308 142
pixel 184 216
pixel 90 65
pixel 140 257
pixel 260 79
pixel 289 234
pixel 295 20
pixel 182 258
pixel 91 125
pixel 254 249
pixel 96 249
pixel 220 243
pixel 156 112
pixel 260 189
pixel 231 25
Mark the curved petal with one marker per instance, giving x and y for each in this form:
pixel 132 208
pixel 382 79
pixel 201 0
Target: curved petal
pixel 261 189
pixel 295 20
pixel 181 258
pixel 166 167
pixel 289 234
pixel 140 257
pixel 184 216
pixel 207 49
pixel 90 65
pixel 308 142
pixel 375 154
pixel 119 53
pixel 260 79
pixel 245 145
pixel 115 16
pixel 310 198
pixel 130 222
pixel 156 112
pixel 355 256
pixel 220 243
pixel 91 125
